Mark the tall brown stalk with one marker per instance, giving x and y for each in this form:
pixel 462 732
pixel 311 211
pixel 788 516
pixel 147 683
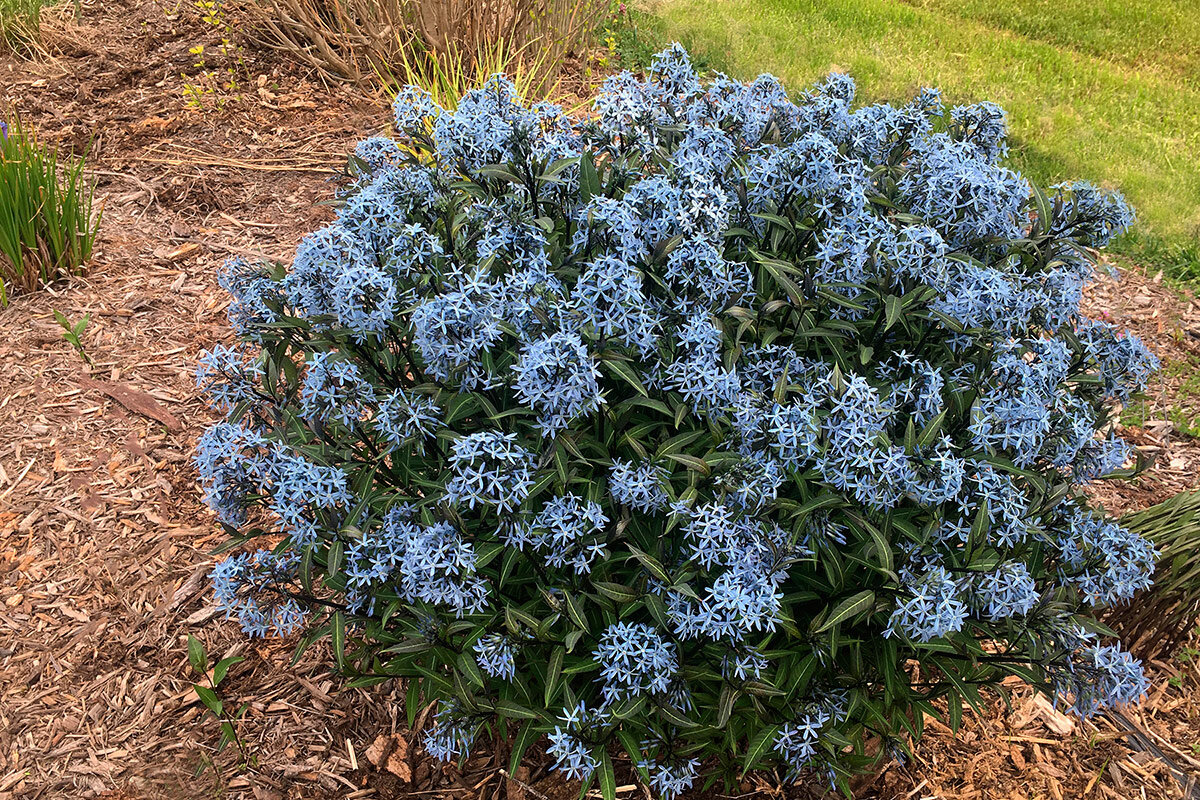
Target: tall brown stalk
pixel 362 40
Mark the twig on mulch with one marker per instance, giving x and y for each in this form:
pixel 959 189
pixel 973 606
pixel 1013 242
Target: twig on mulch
pixel 141 184
pixel 1140 741
pixel 200 158
pixel 237 251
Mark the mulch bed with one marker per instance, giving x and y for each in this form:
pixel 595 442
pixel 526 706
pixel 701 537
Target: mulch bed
pixel 104 548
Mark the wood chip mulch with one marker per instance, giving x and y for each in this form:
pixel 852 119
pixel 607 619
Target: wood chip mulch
pixel 104 544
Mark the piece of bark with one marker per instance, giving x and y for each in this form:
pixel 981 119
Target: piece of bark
pixel 135 400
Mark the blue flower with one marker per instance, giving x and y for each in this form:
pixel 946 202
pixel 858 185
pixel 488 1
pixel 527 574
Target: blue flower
pixel 672 778
pixel 572 755
pixel 557 377
pixel 225 375
pixel 635 660
pixel 1094 676
pixel 302 490
pixel 415 112
pixel 365 300
pixel 496 655
pixel 1120 359
pixel 956 190
pixel 639 486
pixel 984 126
pixel 377 153
pixel 743 666
pixel 405 418
pixel 452 331
pixel 1007 591
pixel 253 588
pixel 1092 215
pixel 437 567
pixel 257 299
pixel 566 532
pixel 334 389
pixel 320 260
pixel 1107 562
pixel 797 742
pixel 452 734
pixel 489 468
pixel 648 390
pixel 930 609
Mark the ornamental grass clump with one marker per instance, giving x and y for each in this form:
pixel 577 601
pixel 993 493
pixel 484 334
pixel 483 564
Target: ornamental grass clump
pixel 47 228
pixel 727 430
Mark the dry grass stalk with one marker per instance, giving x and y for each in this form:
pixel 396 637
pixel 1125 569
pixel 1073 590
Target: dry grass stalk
pixel 371 42
pixel 338 38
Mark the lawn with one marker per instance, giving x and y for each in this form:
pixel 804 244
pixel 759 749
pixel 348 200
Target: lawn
pixel 1107 90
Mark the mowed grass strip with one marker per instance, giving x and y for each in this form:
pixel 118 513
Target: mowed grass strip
pixel 1103 90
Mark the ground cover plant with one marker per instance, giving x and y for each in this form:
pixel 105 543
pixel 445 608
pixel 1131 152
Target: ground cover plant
pixel 1104 91
pixel 690 428
pixel 47 228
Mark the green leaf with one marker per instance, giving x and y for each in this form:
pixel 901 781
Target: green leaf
pixel 968 692
pixel 691 462
pixel 672 715
pixel 528 735
pixel 932 429
pixel 209 698
pixel 333 561
pixel 196 655
pixel 778 220
pixel 412 700
pixel 759 744
pixel 338 625
pixel 891 310
pixel 652 564
pixel 626 372
pixel 228 735
pixel 499 171
pixel 608 779
pixel 979 528
pixel 954 705
pixel 633 748
pixel 1045 215
pixel 762 689
pixel 589 178
pixel 558 166
pixel 725 704
pixel 575 612
pixel 468 667
pixel 223 666
pixel 515 710
pixel 553 674
pixel 616 591
pixel 363 681
pixel 880 545
pixel 850 607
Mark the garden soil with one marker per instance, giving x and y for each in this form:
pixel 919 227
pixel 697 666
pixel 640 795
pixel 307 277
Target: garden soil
pixel 105 546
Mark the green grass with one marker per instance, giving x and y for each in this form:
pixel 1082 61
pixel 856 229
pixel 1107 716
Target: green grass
pixel 1104 90
pixel 20 24
pixel 47 228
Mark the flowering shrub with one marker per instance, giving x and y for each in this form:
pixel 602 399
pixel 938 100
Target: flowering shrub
pixel 695 427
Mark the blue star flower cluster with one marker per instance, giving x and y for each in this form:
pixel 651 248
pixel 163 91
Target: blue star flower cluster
pixel 695 425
